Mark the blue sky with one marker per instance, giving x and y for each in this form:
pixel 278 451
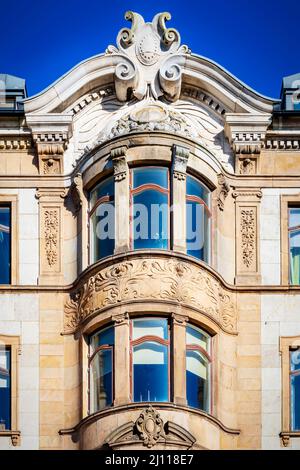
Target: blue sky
pixel 256 40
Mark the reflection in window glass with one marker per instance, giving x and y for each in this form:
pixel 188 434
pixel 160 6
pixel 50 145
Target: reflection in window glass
pixel 294 244
pixel 5 388
pixel 101 370
pixel 197 219
pixel 150 208
pixel 295 389
pixel 102 220
pixel 197 368
pixel 150 360
pixel 5 244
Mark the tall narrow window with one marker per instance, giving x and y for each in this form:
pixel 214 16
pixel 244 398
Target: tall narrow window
pixel 101 369
pixel 5 244
pixel 150 208
pixel 197 219
pixel 102 220
pixel 5 388
pixel 150 359
pixel 197 368
pixel 294 244
pixel 295 389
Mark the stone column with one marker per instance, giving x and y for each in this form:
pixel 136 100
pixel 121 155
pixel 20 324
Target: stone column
pixel 121 359
pixel 179 164
pixel 51 203
pixel 179 359
pixel 122 206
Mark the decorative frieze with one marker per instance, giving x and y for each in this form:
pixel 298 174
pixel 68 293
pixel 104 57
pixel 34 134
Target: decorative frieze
pixel 15 143
pixel 91 97
pixel 152 279
pixel 208 100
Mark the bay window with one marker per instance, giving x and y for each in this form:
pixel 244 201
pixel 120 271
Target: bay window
pixel 101 360
pixel 150 359
pixel 102 220
pixel 150 208
pixel 198 368
pixel 197 219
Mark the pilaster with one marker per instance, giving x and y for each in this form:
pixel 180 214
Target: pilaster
pixel 179 358
pixel 121 359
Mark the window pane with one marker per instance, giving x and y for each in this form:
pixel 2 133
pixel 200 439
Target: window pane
pixel 294 242
pixel 295 360
pixel 197 380
pixel 150 210
pixel 196 336
pixel 150 372
pixel 101 387
pixel 197 220
pixel 104 337
pixel 150 175
pixel 294 216
pixel 295 402
pixel 5 245
pixel 5 388
pixel 102 221
pixel 155 327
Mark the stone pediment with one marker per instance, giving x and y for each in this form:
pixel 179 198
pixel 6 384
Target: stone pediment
pixel 149 430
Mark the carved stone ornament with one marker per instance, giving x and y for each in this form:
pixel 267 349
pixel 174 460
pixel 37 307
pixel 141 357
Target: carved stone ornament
pixel 149 430
pixel 224 189
pixel 248 236
pixel 180 161
pixel 246 166
pixel 118 156
pixel 148 59
pixel 51 217
pixel 152 279
pixel 76 191
pixel 149 425
pixel 148 117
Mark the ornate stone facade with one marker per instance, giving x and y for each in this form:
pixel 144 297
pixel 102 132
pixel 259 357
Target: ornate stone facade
pixel 149 101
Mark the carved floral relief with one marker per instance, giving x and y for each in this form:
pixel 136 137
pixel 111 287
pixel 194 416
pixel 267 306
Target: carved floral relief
pixel 151 279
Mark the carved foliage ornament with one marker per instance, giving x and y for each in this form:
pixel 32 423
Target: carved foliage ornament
pixel 151 279
pixel 149 58
pixel 51 218
pixel 248 236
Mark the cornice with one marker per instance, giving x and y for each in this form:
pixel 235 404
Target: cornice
pixel 140 406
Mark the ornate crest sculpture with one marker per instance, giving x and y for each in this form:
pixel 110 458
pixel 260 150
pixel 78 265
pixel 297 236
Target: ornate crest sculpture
pixel 148 60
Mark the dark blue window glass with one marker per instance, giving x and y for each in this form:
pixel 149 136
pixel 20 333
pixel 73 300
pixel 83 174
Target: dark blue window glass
pixel 101 370
pixel 150 208
pixel 150 360
pixel 197 369
pixel 295 389
pixel 102 220
pixel 5 388
pixel 5 244
pixel 197 219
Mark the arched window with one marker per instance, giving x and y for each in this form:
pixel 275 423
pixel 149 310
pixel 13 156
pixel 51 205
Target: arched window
pixel 102 220
pixel 101 359
pixel 150 359
pixel 150 208
pixel 197 219
pixel 198 368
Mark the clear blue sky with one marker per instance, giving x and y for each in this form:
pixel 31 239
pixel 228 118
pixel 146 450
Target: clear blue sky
pixel 256 40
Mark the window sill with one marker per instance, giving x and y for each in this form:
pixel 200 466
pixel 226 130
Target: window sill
pixel 14 435
pixel 286 435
